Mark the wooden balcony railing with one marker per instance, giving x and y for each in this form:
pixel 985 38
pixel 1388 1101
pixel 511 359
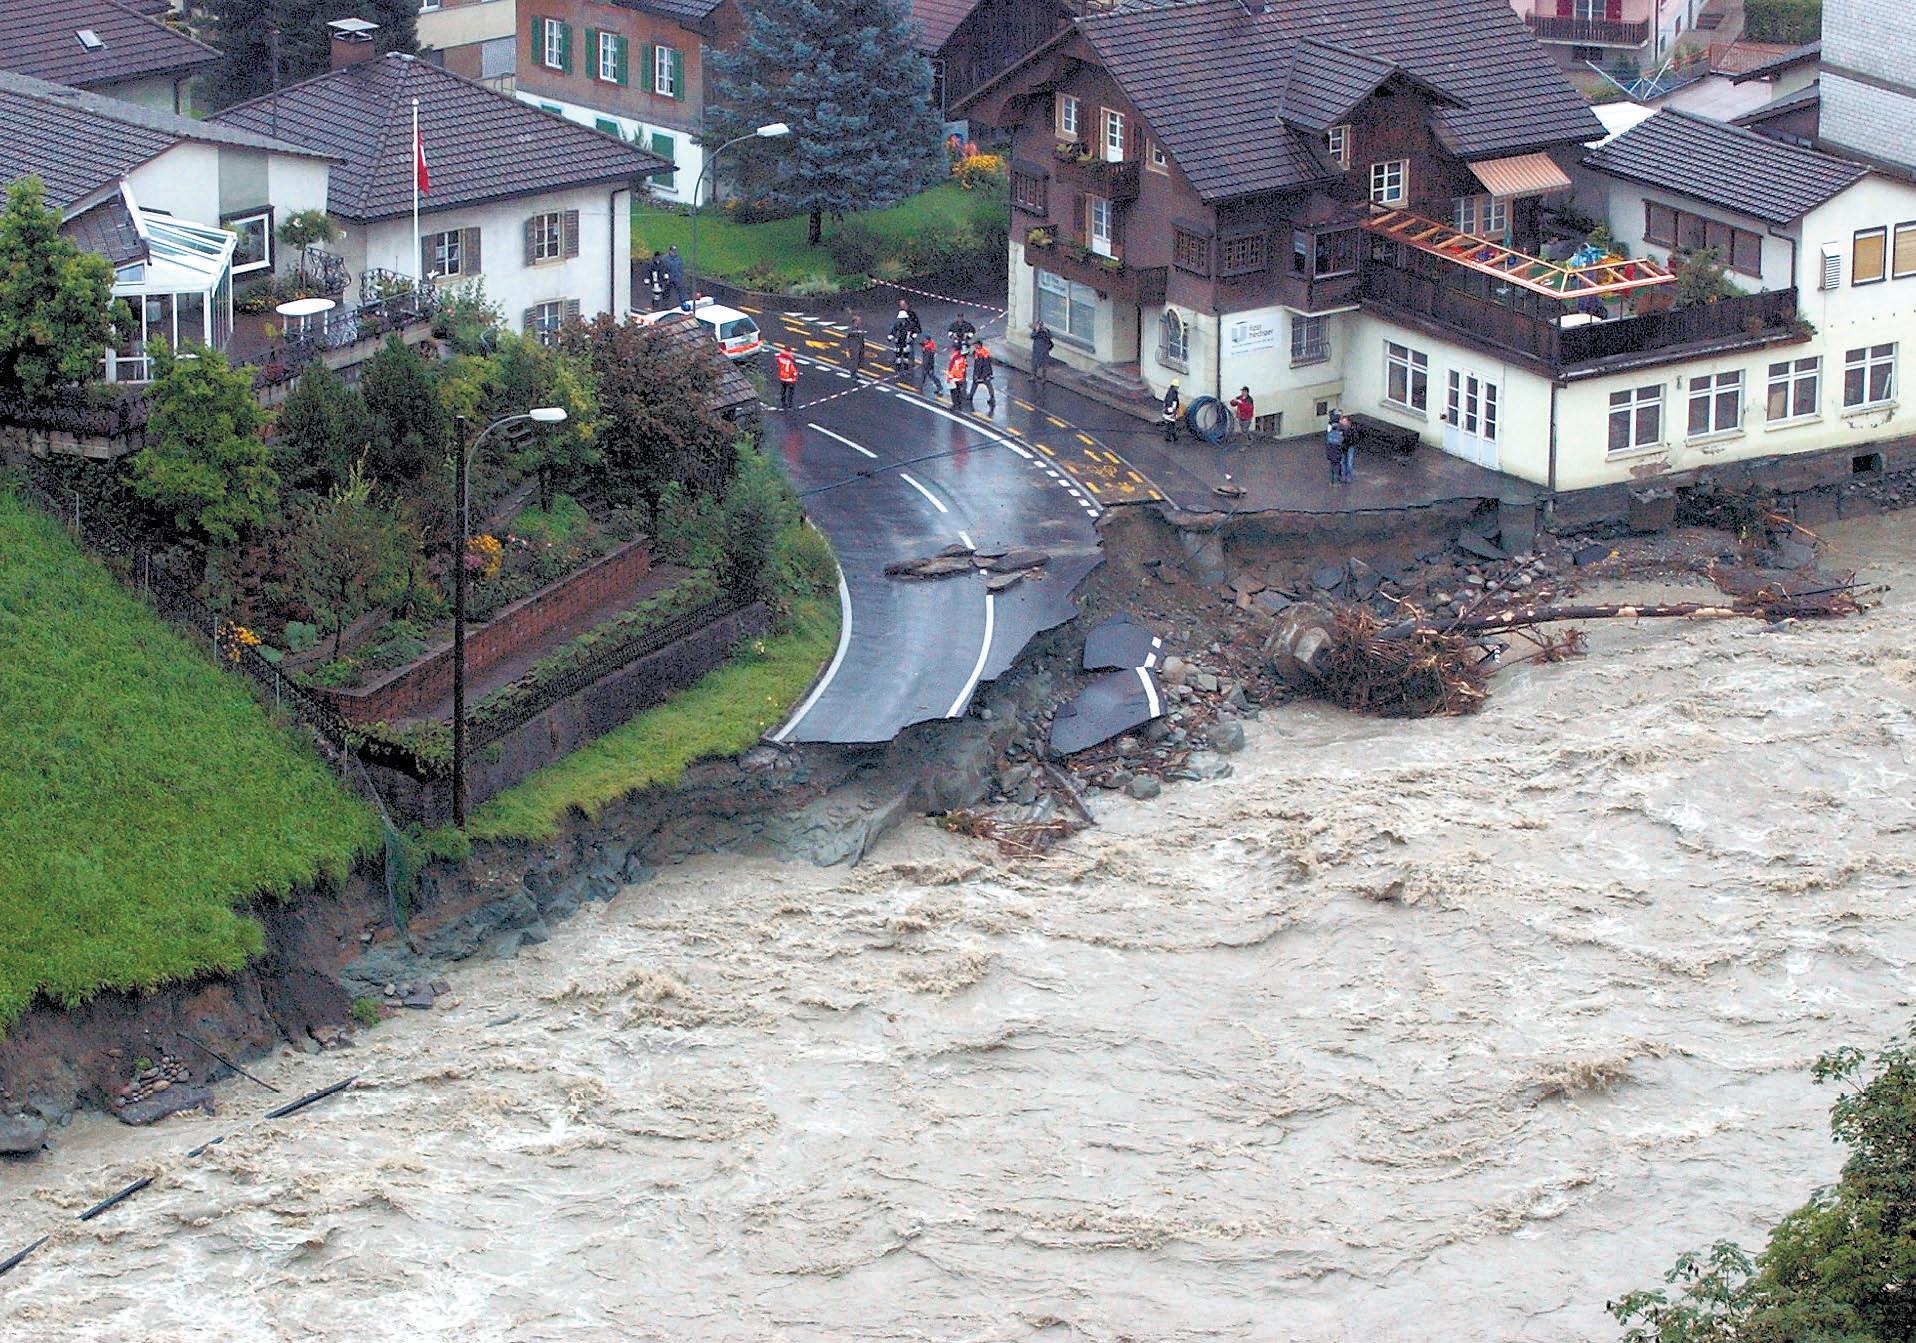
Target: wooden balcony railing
pixel 1127 284
pixel 1590 32
pixel 1115 180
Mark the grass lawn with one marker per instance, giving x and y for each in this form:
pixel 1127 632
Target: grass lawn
pixel 728 248
pixel 722 714
pixel 144 793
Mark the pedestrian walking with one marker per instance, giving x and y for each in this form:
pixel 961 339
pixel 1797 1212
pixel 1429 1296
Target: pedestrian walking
pixel 983 371
pixel 1041 343
pixel 955 371
pixel 909 316
pixel 961 331
pixel 1349 458
pixel 1246 410
pixel 1173 407
pixel 928 365
pixel 855 344
pixel 674 266
pixel 1334 446
pixel 785 365
pixel 655 279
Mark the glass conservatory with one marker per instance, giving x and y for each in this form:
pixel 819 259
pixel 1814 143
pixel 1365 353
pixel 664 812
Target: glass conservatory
pixel 180 291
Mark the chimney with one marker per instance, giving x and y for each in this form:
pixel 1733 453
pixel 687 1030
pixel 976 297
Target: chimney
pixel 352 41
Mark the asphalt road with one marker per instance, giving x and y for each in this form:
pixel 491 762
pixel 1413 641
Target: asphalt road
pixel 890 475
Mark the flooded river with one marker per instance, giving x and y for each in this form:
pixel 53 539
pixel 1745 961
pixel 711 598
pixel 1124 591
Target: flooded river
pixel 1438 1030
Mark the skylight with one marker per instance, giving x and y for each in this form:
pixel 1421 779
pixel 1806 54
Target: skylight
pixel 90 39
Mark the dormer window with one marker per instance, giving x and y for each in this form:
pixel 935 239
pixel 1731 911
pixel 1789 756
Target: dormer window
pixel 1387 181
pixel 1337 142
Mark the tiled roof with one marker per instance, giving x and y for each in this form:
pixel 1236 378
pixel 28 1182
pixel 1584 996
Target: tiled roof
pixel 107 230
pixel 41 38
pixel 730 387
pixel 686 11
pixel 1325 82
pixel 939 19
pixel 78 142
pixel 1206 76
pixel 1776 65
pixel 480 145
pixel 1725 165
pixel 1810 95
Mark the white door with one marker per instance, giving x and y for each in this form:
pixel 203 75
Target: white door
pixel 1473 413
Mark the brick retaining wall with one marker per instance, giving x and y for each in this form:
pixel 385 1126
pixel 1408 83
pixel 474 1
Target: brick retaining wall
pixel 410 690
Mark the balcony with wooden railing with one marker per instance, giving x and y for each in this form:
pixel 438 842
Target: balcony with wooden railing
pixel 1082 169
pixel 1109 275
pixel 1590 32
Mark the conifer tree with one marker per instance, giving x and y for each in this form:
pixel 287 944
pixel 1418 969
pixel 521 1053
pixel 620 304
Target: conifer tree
pixel 848 78
pixel 56 301
pixel 259 36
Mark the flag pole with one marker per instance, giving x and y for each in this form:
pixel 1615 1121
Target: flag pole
pixel 418 260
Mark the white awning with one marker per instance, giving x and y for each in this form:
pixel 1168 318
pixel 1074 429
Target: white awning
pixel 1521 175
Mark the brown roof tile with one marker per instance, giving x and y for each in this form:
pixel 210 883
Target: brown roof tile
pixel 41 38
pixel 1725 165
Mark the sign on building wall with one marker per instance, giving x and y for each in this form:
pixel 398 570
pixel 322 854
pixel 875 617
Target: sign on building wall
pixel 1249 334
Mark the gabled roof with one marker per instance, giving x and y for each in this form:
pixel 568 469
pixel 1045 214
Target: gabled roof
pixel 78 142
pixel 1206 75
pixel 42 38
pixel 685 11
pixel 480 145
pixel 1725 165
pixel 1325 83
pixel 679 333
pixel 1776 65
pixel 939 19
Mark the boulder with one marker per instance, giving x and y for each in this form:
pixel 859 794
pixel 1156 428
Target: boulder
pixel 22 1135
pixel 1300 644
pixel 168 1102
pixel 1143 787
pixel 1227 738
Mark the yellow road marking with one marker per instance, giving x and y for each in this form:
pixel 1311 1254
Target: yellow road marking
pixel 1015 433
pixel 1022 405
pixel 1092 485
pixel 1092 455
pixel 1136 479
pixel 1087 440
pixel 1056 423
pixel 743 308
pixel 1045 450
pixel 1113 458
pixel 822 344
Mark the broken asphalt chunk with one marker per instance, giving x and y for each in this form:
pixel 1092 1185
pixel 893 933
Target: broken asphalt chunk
pixel 1121 643
pixel 1473 544
pixel 1110 705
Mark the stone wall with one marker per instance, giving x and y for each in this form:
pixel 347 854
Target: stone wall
pixel 410 690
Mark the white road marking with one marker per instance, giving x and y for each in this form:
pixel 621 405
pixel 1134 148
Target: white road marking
pixel 842 439
pixel 936 502
pixel 838 660
pixel 1150 693
pixel 966 538
pixel 959 705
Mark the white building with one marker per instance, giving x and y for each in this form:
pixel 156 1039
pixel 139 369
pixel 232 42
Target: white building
pixel 527 207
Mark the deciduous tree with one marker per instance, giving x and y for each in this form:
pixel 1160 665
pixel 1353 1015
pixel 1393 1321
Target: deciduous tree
pixel 56 301
pixel 323 429
pixel 411 429
pixel 848 78
pixel 205 464
pixel 350 553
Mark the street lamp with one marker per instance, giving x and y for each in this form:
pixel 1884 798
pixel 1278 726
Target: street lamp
pixel 771 130
pixel 537 415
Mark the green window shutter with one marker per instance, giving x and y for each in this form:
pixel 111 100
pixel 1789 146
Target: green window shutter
pixel 537 33
pixel 677 58
pixel 592 53
pixel 662 146
pixel 646 77
pixel 619 71
pixel 609 126
pixel 565 47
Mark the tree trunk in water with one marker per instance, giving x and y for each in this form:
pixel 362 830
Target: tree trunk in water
pixel 813 228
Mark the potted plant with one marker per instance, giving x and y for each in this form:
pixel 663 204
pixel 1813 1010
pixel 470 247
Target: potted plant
pixel 1043 235
pixel 1111 263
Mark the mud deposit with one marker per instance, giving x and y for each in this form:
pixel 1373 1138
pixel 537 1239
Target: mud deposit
pixel 1407 1031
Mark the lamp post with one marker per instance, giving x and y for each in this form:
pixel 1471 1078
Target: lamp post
pixel 463 461
pixel 772 130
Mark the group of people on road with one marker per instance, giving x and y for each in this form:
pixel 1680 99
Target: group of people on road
pixel 664 278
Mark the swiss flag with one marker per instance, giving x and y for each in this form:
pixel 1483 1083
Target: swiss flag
pixel 421 178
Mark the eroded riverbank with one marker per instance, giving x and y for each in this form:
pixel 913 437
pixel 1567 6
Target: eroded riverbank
pixel 1312 1052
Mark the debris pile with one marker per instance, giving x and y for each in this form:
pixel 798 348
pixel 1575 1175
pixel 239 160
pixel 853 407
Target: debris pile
pixel 1003 567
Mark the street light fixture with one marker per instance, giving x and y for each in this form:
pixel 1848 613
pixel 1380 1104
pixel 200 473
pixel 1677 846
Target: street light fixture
pixel 771 130
pixel 537 415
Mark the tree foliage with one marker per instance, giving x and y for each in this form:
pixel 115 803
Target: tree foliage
pixel 750 519
pixel 527 374
pixel 655 424
pixel 411 428
pixel 350 553
pixel 205 464
pixel 56 301
pixel 323 430
pixel 848 78
pixel 1840 1269
pixel 246 31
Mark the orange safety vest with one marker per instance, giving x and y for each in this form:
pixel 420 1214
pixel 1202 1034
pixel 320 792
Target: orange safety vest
pixel 955 370
pixel 787 367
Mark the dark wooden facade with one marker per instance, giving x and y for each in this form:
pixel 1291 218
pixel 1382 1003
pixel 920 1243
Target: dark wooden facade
pixel 989 40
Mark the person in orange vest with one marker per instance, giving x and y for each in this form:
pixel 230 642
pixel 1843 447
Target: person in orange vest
pixel 786 367
pixel 955 370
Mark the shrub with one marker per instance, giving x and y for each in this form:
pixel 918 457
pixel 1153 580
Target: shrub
pixel 806 565
pixel 1791 21
pixel 978 170
pixel 367 1012
pixel 814 286
pixel 566 523
pixel 338 672
pixel 890 270
pixel 399 643
pixel 853 246
pixel 300 636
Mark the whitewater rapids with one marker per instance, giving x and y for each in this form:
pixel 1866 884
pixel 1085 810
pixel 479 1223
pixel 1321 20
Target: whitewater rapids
pixel 1439 1030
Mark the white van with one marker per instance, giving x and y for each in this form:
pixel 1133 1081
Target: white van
pixel 736 333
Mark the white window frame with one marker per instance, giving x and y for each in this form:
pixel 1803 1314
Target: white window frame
pixel 1631 405
pixel 1588 10
pixel 264 217
pixel 1720 396
pixel 1866 361
pixel 607 58
pixel 1413 366
pixel 1337 143
pixel 1390 181
pixel 1101 225
pixel 428 6
pixel 1156 158
pixel 1070 116
pixel 549 246
pixel 1068 297
pixel 663 69
pixel 552 44
pixel 1111 129
pixel 1174 341
pixel 1471 404
pixel 1482 215
pixel 1790 377
pixel 455 252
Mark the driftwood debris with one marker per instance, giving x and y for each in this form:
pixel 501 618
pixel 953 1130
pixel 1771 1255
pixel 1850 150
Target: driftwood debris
pixel 1420 667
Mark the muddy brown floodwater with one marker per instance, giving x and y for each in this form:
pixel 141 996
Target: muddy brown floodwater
pixel 1436 1030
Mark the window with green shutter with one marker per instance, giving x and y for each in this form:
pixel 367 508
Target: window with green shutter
pixel 620 74
pixel 609 126
pixel 593 37
pixel 565 47
pixel 678 72
pixel 662 145
pixel 648 77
